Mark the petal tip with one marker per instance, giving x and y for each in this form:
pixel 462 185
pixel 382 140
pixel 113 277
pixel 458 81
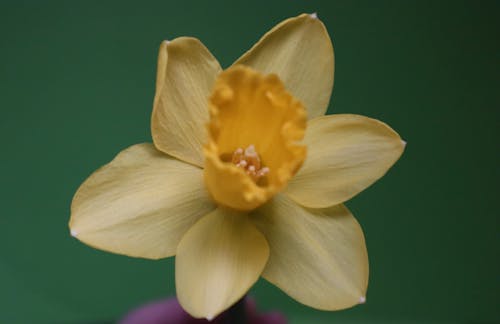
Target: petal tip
pixel 314 15
pixel 73 232
pixel 404 143
pixel 166 42
pixel 210 318
pixel 362 300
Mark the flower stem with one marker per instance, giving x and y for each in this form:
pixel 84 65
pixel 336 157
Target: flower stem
pixel 237 313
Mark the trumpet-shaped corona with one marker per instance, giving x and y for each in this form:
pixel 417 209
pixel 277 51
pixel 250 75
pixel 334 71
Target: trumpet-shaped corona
pixel 252 111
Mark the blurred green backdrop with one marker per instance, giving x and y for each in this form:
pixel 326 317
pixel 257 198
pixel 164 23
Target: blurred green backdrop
pixel 77 85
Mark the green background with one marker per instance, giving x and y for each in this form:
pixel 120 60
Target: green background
pixel 77 85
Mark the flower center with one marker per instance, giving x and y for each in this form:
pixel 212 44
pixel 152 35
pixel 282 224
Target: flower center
pixel 253 144
pixel 249 160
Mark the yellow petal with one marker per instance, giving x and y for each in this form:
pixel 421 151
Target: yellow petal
pixel 300 52
pixel 318 256
pixel 140 204
pixel 248 108
pixel 346 154
pixel 185 77
pixel 217 261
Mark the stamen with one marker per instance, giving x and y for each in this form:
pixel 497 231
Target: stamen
pixel 262 172
pixel 249 160
pixel 250 151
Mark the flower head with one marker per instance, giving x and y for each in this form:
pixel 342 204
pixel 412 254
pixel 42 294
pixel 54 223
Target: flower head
pixel 246 176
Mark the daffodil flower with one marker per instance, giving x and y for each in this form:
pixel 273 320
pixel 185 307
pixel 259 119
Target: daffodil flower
pixel 259 191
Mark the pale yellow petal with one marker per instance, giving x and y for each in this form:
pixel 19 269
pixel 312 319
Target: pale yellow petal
pixel 217 261
pixel 345 155
pixel 318 256
pixel 300 52
pixel 140 204
pixel 185 77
